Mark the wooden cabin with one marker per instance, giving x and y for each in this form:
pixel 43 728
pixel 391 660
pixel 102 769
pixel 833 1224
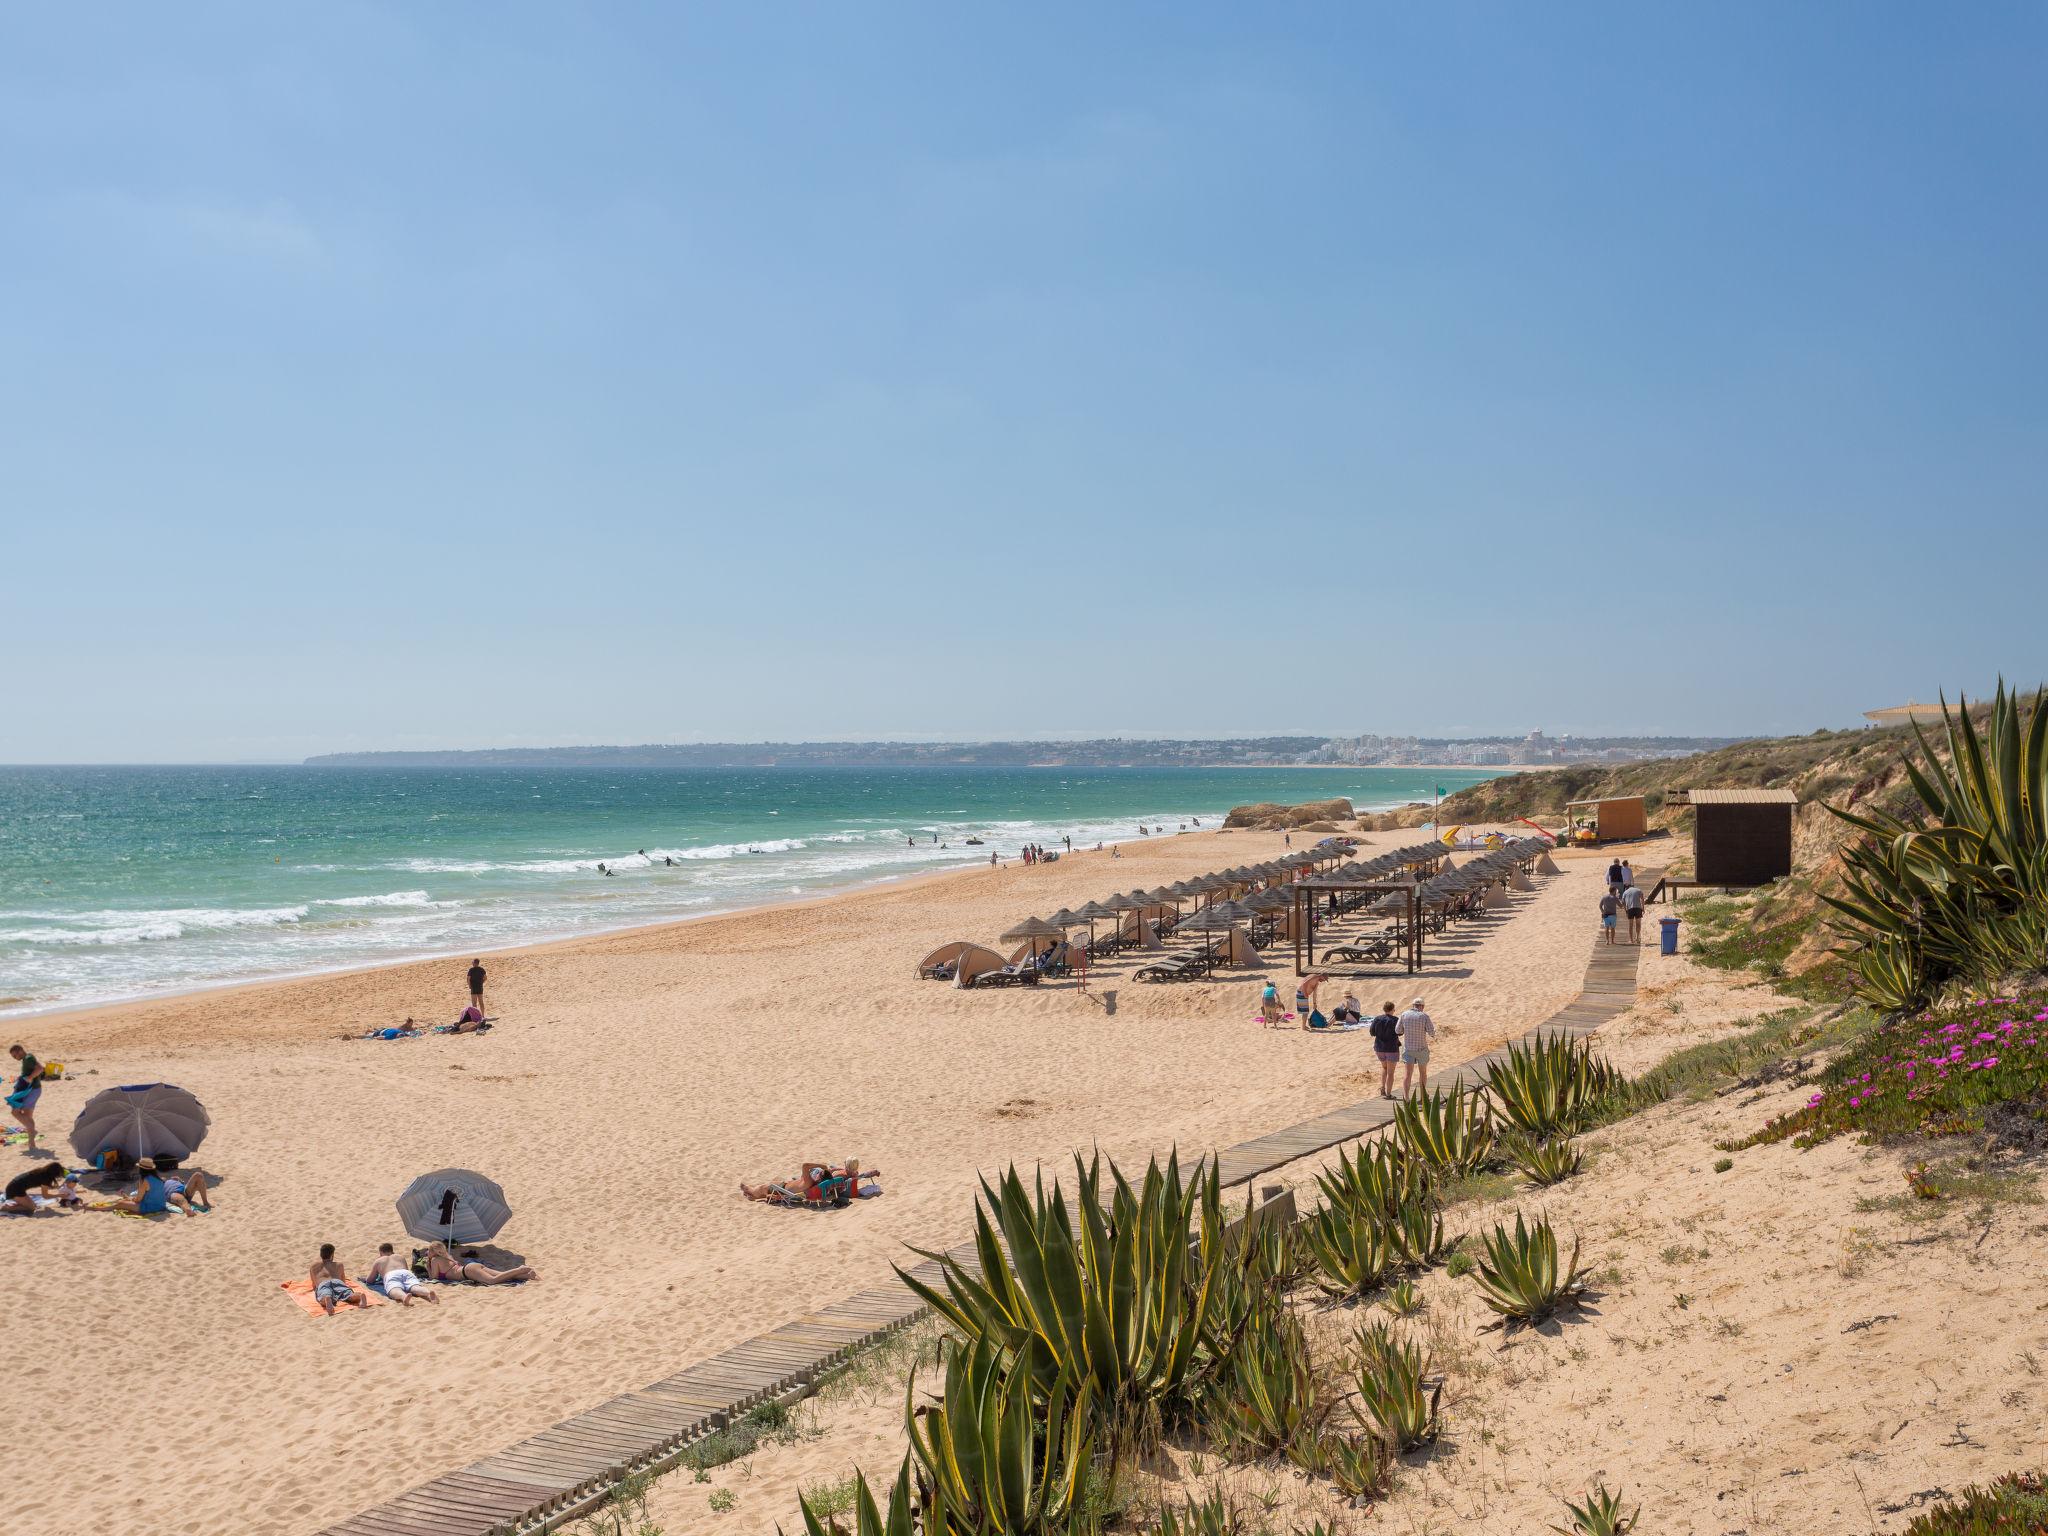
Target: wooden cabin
pixel 1742 837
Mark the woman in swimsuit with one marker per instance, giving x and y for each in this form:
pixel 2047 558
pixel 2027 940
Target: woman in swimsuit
pixel 443 1265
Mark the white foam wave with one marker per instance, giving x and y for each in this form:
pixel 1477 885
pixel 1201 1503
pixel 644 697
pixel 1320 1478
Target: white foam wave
pixel 388 899
pixel 115 927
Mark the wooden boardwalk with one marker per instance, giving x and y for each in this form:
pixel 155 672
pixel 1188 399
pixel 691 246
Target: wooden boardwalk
pixel 560 1473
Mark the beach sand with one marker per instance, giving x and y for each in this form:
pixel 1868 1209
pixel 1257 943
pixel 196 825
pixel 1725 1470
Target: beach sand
pixel 636 1078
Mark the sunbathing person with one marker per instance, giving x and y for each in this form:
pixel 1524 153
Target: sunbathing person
pixel 469 1021
pixel 152 1195
pixel 804 1188
pixel 331 1286
pixel 443 1265
pixel 391 1275
pixel 33 1193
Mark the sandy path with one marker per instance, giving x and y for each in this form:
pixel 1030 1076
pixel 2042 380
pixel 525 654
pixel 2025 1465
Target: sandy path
pixel 636 1078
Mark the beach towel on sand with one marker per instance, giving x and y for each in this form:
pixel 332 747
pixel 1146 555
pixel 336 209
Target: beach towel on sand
pixel 301 1291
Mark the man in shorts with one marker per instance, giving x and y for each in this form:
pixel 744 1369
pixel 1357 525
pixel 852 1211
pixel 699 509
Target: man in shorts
pixel 390 1275
pixel 1417 1030
pixel 1610 905
pixel 1632 906
pixel 331 1286
pixel 28 1087
pixel 476 985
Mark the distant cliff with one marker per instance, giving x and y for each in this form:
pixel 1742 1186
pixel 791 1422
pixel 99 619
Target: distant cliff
pixel 1111 753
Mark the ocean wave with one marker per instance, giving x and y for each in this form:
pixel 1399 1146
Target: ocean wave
pixel 388 899
pixel 115 927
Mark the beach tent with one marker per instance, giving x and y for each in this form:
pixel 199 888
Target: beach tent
pixel 972 960
pixel 453 1205
pixel 141 1120
pixel 945 954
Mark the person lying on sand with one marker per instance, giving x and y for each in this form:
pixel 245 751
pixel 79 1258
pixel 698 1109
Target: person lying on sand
pixel 470 1021
pixel 803 1189
pixel 153 1194
pixel 32 1193
pixel 390 1275
pixel 331 1286
pixel 443 1265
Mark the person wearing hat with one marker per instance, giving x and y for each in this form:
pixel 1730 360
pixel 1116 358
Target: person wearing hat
pixel 1417 1030
pixel 152 1196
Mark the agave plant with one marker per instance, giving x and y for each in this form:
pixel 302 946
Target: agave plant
pixel 898 1520
pixel 1417 1232
pixel 1546 1162
pixel 1265 1398
pixel 1550 1085
pixel 1964 894
pixel 1379 1178
pixel 1450 1131
pixel 1519 1276
pixel 1359 1465
pixel 1403 1300
pixel 1600 1515
pixel 1119 1304
pixel 1355 1251
pixel 995 1454
pixel 1211 1517
pixel 1393 1391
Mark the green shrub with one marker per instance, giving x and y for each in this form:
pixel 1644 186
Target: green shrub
pixel 2015 1505
pixel 1930 1075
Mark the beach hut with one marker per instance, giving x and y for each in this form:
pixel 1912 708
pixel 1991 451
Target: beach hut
pixel 1742 837
pixel 1613 819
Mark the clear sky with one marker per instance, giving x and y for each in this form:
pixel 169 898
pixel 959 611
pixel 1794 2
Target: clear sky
pixel 466 375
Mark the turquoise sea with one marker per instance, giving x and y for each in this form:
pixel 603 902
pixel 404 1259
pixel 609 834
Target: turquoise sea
pixel 123 882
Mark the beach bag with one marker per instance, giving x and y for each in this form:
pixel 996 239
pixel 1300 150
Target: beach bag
pixel 419 1263
pixel 1316 1019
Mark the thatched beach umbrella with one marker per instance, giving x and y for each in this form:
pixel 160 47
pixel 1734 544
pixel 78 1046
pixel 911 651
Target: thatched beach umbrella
pixel 1031 930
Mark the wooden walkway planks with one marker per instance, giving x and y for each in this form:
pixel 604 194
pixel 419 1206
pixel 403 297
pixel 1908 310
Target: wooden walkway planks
pixel 552 1476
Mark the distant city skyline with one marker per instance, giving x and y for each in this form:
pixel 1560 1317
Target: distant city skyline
pixel 385 377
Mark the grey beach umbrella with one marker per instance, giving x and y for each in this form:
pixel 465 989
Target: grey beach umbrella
pixel 154 1120
pixel 453 1205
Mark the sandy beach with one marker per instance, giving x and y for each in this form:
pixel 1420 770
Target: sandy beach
pixel 634 1080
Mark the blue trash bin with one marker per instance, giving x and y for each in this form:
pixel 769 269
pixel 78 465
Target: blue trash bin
pixel 1668 940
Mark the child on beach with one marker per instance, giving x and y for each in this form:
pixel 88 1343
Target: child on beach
pixel 1417 1030
pixel 1609 906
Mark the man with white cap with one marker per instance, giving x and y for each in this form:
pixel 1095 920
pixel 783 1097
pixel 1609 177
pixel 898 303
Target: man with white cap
pixel 1417 1030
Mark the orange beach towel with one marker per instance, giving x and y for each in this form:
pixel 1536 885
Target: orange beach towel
pixel 301 1291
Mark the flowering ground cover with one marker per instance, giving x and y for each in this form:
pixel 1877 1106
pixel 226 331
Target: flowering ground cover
pixel 1931 1074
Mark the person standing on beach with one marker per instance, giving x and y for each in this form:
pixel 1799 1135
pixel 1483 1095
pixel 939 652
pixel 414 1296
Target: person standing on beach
pixel 1610 904
pixel 1614 880
pixel 1632 904
pixel 1417 1030
pixel 1386 1045
pixel 28 1087
pixel 476 986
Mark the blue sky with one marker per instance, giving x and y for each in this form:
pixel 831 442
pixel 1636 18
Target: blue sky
pixel 468 375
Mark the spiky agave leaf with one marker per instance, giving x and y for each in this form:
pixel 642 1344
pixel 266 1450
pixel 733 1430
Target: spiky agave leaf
pixel 1519 1276
pixel 1394 1394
